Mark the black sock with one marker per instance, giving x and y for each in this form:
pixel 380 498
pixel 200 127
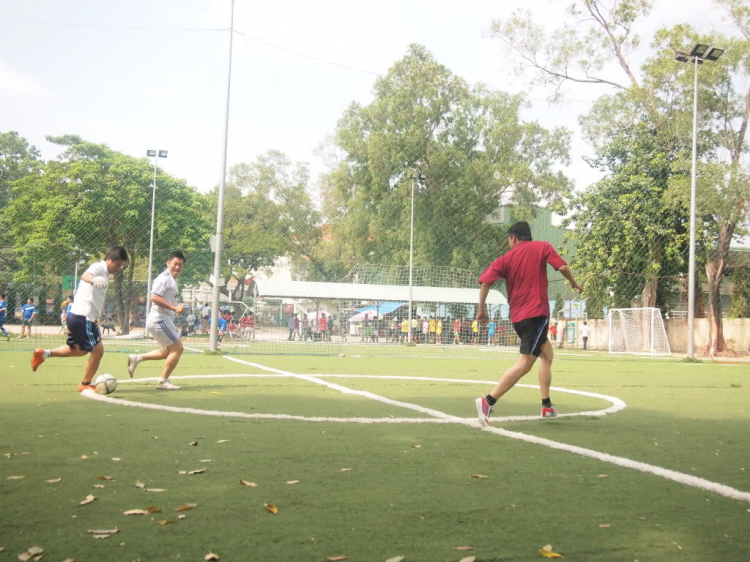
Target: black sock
pixel 86 383
pixel 490 400
pixel 547 403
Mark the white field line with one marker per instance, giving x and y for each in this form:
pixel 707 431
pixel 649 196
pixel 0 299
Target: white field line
pixel 673 475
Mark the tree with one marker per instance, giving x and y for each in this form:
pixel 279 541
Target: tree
pixel 472 149
pixel 268 215
pixel 93 197
pixel 663 95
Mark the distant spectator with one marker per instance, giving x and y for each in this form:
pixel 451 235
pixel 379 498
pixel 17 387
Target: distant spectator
pixel 405 330
pixel 28 315
pixel 585 330
pixel 439 331
pixel 491 332
pixel 323 326
pixel 292 325
pixel 431 328
pixel 457 332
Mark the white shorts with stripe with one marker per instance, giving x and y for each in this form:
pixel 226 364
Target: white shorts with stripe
pixel 164 332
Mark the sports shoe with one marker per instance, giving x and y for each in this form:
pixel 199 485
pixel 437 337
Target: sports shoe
pixel 166 385
pixel 82 387
pixel 484 411
pixel 132 364
pixel 550 412
pixel 37 358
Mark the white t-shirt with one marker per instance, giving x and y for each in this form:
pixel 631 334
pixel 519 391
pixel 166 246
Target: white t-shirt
pixel 89 300
pixel 166 287
pixel 585 331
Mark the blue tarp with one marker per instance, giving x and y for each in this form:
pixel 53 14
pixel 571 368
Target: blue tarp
pixel 385 308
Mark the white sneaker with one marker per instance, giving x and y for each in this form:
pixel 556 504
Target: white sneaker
pixel 166 385
pixel 132 364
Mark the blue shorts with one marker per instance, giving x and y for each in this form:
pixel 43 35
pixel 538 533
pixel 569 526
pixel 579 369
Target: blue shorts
pixel 82 332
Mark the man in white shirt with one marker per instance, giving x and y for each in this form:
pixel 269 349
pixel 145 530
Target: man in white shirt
pixel 160 322
pixel 585 330
pixel 83 330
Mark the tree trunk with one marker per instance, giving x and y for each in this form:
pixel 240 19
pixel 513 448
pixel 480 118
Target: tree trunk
pixel 715 269
pixel 120 301
pixel 651 288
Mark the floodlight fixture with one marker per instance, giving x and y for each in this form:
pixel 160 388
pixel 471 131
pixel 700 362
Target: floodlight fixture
pixel 699 50
pixel 714 54
pixel 162 154
pixel 151 153
pixel 681 56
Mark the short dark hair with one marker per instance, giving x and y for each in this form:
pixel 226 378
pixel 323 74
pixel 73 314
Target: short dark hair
pixel 116 253
pixel 176 254
pixel 31 299
pixel 2 295
pixel 521 230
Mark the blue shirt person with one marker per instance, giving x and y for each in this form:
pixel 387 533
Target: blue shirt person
pixel 28 314
pixel 3 310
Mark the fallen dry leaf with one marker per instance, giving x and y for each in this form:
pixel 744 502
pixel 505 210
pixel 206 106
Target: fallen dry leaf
pixel 396 559
pixel 88 500
pixel 464 548
pixel 248 483
pixel 211 556
pixel 199 471
pixel 165 522
pixel 84 457
pixel 54 481
pixel 139 484
pixel 345 470
pixel 24 556
pixel 105 478
pixel 16 477
pixel 206 460
pixel 293 482
pixel 272 508
pixel 416 446
pixel 182 472
pixel 104 531
pixel 26 453
pixel 547 552
pixel 98 485
pixel 116 459
pixel 223 441
pixel 187 507
pixel 603 476
pixel 153 509
pixel 69 560
pixel 135 512
pixel 156 489
pixel 604 526
pixel 181 516
pixel 479 476
pixel 35 550
pixel 194 444
pixel 337 558
pixel 100 536
pixel 468 559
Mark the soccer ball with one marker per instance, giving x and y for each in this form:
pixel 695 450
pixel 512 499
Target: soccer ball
pixel 105 384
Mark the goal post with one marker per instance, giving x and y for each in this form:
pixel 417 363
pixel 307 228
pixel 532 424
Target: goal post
pixel 637 330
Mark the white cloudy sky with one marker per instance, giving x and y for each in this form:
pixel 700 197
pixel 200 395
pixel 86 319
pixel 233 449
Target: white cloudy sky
pixel 136 89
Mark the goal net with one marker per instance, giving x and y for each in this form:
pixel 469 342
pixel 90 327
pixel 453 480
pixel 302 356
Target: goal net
pixel 637 330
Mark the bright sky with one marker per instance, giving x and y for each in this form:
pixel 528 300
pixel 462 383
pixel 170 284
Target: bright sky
pixel 136 89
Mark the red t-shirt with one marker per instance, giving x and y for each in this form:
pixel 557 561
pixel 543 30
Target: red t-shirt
pixel 322 324
pixel 524 269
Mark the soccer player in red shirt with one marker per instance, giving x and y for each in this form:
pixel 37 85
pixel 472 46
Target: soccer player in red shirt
pixel 524 269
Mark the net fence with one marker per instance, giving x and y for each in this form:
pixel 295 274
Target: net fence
pixel 317 227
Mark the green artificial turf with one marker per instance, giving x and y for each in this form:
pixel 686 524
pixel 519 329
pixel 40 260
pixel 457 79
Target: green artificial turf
pixel 410 490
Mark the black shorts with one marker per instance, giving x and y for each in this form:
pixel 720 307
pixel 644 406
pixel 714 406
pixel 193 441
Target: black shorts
pixel 533 334
pixel 82 332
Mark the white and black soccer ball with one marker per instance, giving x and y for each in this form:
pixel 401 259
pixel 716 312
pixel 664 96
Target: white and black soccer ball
pixel 105 383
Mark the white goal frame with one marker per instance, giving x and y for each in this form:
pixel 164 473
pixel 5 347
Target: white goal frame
pixel 651 329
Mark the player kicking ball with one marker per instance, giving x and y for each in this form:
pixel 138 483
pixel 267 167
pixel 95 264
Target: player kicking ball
pixel 83 331
pixel 524 269
pixel 160 322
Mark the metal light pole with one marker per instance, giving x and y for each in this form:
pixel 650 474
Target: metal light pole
pixel 697 56
pixel 218 281
pixel 156 155
pixel 415 176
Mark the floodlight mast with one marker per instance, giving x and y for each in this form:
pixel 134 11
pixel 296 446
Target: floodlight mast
pixel 697 56
pixel 155 155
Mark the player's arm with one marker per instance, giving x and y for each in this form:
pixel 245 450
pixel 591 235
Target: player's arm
pixel 484 290
pixel 162 303
pixel 568 274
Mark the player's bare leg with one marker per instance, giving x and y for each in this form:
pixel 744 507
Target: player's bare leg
pixel 513 375
pixel 545 369
pixel 92 365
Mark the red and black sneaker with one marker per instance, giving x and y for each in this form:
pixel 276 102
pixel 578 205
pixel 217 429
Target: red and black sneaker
pixel 484 411
pixel 86 387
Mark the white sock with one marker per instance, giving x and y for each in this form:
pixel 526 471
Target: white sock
pixel 138 359
pixel 47 353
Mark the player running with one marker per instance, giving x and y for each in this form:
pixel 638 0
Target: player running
pixel 3 310
pixel 160 322
pixel 524 269
pixel 83 330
